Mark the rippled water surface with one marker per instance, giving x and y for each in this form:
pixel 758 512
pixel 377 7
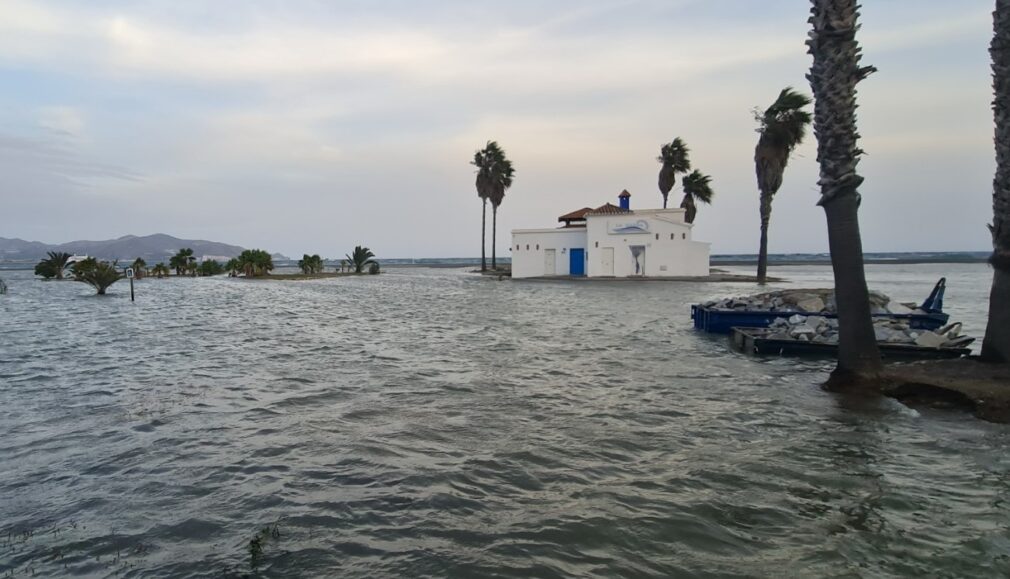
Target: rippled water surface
pixel 432 423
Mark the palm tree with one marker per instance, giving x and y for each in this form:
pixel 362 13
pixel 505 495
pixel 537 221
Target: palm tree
pixel 494 177
pixel 255 262
pixel 310 264
pixel 674 157
pixel 233 267
pixel 53 265
pixel 98 274
pixel 697 187
pixel 360 257
pixel 782 127
pixel 833 78
pixel 996 344
pixel 160 270
pixel 139 268
pixel 182 260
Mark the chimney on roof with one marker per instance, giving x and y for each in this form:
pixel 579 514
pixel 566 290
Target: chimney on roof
pixel 624 199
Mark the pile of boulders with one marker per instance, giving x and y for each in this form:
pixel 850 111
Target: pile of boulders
pixel 806 301
pixel 823 330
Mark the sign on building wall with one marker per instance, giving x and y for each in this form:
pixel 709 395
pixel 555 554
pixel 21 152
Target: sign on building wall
pixel 630 227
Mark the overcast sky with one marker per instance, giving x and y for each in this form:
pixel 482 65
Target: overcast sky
pixel 312 126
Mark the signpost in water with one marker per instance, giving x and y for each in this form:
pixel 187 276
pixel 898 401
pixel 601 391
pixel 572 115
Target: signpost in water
pixel 129 276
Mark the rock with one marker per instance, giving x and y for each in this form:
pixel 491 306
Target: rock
pixel 930 340
pixel 797 319
pixel 802 330
pixel 813 305
pixel 896 308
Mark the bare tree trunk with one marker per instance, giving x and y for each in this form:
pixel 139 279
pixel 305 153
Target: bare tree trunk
pixel 833 78
pixel 996 345
pixel 494 235
pixel 766 210
pixel 483 237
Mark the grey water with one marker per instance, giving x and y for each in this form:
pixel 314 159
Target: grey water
pixel 433 423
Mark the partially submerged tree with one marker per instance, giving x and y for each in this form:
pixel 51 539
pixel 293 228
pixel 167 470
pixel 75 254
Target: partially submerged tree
pixel 494 177
pixel 255 262
pixel 310 264
pixel 98 274
pixel 697 188
pixel 996 344
pixel 182 261
pixel 209 267
pixel 782 127
pixel 833 78
pixel 360 257
pixel 139 268
pixel 160 270
pixel 53 266
pixel 233 267
pixel 675 160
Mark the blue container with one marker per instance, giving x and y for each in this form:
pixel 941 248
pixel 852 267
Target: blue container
pixel 723 321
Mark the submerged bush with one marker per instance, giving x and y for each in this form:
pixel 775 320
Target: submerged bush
pixel 98 274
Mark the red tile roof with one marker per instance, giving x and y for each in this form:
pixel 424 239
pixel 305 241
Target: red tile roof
pixel 577 214
pixel 607 209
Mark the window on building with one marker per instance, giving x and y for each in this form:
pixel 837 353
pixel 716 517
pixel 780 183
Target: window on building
pixel 657 237
pixel 683 236
pixel 527 247
pixel 673 236
pixel 538 247
pixel 517 247
pixel 597 244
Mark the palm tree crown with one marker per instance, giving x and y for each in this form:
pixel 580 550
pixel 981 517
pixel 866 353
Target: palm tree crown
pixel 697 187
pixel 782 127
pixel 675 160
pixel 360 257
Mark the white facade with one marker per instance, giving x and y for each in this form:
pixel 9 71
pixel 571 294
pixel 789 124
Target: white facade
pixel 644 243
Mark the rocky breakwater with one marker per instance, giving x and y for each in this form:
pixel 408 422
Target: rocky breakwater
pixel 823 330
pixel 807 301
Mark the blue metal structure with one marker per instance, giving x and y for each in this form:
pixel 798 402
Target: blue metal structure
pixel 723 321
pixel 577 261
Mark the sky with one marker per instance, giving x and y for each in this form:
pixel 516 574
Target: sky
pixel 303 126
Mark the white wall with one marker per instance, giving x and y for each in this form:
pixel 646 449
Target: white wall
pixel 669 249
pixel 529 247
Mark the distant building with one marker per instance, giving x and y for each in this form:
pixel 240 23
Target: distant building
pixel 611 241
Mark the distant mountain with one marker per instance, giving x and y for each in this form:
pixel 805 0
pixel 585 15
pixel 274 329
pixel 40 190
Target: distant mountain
pixel 153 248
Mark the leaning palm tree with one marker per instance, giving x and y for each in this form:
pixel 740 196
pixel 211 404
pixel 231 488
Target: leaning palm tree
pixel 675 160
pixel 360 257
pixel 996 344
pixel 833 78
pixel 160 270
pixel 782 127
pixel 489 171
pixel 697 188
pixel 58 260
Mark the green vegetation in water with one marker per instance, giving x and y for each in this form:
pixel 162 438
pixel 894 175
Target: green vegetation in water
pixel 53 266
pixel 360 258
pixel 311 264
pixel 98 274
pixel 259 541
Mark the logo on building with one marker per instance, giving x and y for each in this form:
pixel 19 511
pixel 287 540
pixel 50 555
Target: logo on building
pixel 640 226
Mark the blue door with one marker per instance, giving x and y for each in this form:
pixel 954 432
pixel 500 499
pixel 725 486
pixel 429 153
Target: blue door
pixel 578 261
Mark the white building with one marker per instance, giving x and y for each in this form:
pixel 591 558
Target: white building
pixel 612 241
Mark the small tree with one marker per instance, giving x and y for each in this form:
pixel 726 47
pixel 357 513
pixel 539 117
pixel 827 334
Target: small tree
pixel 160 270
pixel 374 268
pixel 139 268
pixel 210 267
pixel 53 265
pixel 697 187
pixel 98 274
pixel 360 257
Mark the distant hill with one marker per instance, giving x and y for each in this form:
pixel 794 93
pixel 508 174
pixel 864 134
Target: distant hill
pixel 153 248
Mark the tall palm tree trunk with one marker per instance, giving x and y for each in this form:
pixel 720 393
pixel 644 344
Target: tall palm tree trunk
pixel 766 215
pixel 494 235
pixel 483 236
pixel 996 344
pixel 833 78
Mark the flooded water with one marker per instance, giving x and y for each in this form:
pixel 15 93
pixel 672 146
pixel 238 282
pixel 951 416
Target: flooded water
pixel 430 423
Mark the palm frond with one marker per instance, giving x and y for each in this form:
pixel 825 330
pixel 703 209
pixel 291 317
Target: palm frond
pixel 698 186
